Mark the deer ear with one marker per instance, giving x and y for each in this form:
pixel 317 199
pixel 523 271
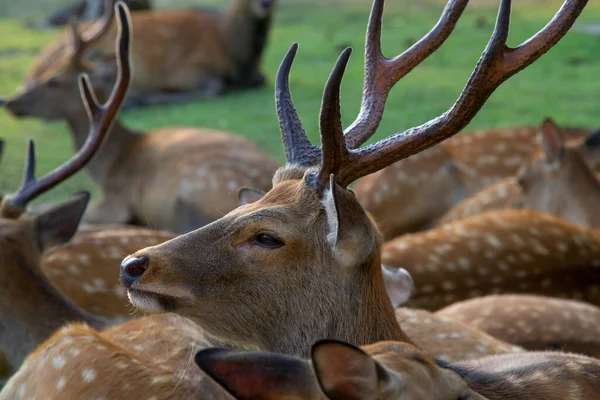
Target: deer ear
pixel 592 146
pixel 346 234
pixel 399 285
pixel 551 141
pixel 345 372
pixel 58 225
pixel 257 375
pixel 248 195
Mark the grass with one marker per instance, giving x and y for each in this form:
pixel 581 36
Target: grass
pixel 562 84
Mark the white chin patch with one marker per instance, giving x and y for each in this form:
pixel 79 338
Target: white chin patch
pixel 144 301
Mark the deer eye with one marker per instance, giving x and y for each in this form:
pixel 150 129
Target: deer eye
pixel 52 83
pixel 268 241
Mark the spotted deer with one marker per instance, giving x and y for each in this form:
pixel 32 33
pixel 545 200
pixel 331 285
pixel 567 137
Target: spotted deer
pixel 102 369
pixel 206 53
pixel 308 238
pixel 454 169
pixel 175 178
pixel 559 178
pixel 158 347
pixel 533 322
pixel 395 370
pixel 504 251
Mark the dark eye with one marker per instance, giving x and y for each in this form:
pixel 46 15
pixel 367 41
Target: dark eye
pixel 265 240
pixel 52 83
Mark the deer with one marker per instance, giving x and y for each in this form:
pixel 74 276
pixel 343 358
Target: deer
pixel 559 178
pixel 532 322
pixel 308 238
pixel 173 179
pixel 32 310
pixel 109 349
pixel 390 370
pixel 456 168
pixel 495 252
pixel 206 53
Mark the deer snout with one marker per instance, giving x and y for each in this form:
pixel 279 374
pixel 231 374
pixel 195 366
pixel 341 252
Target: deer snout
pixel 132 268
pixel 15 107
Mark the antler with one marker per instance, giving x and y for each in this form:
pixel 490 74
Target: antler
pixel 382 73
pixel 497 63
pixel 81 45
pixel 100 116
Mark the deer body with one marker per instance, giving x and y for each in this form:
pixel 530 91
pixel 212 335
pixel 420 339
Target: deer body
pixel 205 53
pixel 174 179
pixel 505 251
pixel 144 358
pixel 401 202
pixel 533 322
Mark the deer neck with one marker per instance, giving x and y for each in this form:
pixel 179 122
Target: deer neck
pixel 31 308
pixel 246 37
pixel 358 312
pixel 118 141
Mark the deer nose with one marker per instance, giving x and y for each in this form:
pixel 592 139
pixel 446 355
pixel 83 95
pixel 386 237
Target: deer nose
pixel 132 268
pixel 2 101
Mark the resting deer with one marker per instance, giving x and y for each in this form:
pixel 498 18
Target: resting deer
pixel 308 238
pixel 122 347
pixel 398 198
pixel 396 370
pixel 175 178
pixel 533 322
pixel 205 53
pixel 158 347
pixel 504 251
pixel 559 179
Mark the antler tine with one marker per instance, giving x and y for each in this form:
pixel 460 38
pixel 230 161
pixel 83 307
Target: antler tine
pixel 80 45
pixel 333 145
pixel 382 73
pixel 101 118
pixel 298 149
pixel 497 63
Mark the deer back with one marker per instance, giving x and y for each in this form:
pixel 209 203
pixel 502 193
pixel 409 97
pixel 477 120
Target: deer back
pixel 504 251
pixel 533 322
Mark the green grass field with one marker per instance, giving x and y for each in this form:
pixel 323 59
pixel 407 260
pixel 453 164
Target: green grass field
pixel 564 84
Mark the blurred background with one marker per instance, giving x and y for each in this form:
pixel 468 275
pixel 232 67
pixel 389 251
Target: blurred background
pixel 564 84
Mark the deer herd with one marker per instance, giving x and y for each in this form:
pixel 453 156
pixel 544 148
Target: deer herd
pixel 458 267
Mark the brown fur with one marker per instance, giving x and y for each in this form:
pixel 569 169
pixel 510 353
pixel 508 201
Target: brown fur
pixel 564 186
pixel 197 48
pixel 533 322
pixel 394 370
pixel 86 270
pixel 173 178
pixel 145 358
pixel 504 251
pixel 401 202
